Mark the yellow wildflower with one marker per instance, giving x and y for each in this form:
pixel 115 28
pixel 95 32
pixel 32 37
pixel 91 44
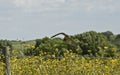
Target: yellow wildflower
pixel 113 60
pixel 106 67
pixel 32 47
pixel 113 49
pixel 56 49
pixel 99 48
pixel 105 47
pixel 89 51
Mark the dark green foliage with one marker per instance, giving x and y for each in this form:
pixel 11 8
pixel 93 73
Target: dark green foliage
pixel 117 41
pixel 110 36
pixel 88 43
pixel 51 46
pixel 118 37
pixel 3 44
pixel 91 41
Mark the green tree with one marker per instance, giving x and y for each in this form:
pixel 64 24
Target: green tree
pixel 117 41
pixel 110 36
pixel 48 46
pixel 91 41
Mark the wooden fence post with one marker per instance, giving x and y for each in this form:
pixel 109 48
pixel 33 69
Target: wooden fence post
pixel 6 60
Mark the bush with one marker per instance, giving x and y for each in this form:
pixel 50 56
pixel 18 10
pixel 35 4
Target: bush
pixel 117 41
pixel 56 46
pixel 109 35
pixel 93 43
pixel 48 46
pixel 88 43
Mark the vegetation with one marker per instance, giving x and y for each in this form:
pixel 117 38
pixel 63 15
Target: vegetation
pixel 71 64
pixel 89 43
pixel 91 53
pixel 116 41
pixel 96 44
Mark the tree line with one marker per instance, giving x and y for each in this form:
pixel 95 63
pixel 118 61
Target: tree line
pixel 91 43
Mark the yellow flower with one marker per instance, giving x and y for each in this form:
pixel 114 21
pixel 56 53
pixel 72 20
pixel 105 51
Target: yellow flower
pixel 53 56
pixel 19 67
pixel 113 49
pixel 63 59
pixel 14 60
pixel 76 61
pixel 113 60
pixel 32 47
pixel 56 49
pixel 106 67
pixel 88 65
pixel 89 51
pixel 63 67
pixel 105 47
pixel 99 48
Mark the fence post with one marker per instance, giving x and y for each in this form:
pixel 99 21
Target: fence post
pixel 6 60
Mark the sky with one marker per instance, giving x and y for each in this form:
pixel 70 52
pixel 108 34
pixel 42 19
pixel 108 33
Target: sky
pixel 32 19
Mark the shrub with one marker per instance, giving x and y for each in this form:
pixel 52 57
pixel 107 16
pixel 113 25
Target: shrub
pixel 91 41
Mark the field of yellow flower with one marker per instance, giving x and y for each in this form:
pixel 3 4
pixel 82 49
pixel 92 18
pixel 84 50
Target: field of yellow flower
pixel 70 64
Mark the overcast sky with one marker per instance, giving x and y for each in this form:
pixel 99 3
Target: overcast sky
pixel 31 19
